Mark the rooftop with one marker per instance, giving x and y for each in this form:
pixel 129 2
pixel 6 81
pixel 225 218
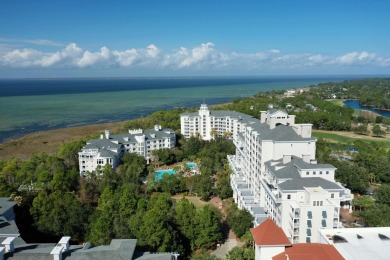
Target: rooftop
pixel 359 243
pixel 268 234
pixel 311 251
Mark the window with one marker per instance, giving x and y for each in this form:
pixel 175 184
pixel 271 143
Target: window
pixel 309 215
pixel 327 172
pixel 321 203
pixel 314 173
pixel 308 240
pixel 309 223
pixel 320 172
pixel 323 223
pixel 307 173
pixel 324 215
pixel 332 195
pixel 308 232
pixel 289 197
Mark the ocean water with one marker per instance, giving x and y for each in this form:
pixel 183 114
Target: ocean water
pixel 30 105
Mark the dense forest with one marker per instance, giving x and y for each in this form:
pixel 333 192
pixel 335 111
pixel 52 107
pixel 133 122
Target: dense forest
pixel 119 204
pixel 369 92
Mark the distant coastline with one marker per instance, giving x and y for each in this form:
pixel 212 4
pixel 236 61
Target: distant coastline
pixel 32 105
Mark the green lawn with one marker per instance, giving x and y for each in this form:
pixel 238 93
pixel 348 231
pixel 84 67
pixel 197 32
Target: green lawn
pixel 345 139
pixel 198 203
pixel 339 102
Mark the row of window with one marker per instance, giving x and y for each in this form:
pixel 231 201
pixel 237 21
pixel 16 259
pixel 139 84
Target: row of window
pixel 314 173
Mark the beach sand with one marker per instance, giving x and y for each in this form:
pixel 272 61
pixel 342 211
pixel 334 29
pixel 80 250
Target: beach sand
pixel 50 141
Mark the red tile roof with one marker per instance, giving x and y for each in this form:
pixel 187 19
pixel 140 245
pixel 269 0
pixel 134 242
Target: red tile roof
pixel 313 251
pixel 269 234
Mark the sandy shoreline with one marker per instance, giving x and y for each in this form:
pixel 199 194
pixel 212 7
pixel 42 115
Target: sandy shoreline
pixel 50 141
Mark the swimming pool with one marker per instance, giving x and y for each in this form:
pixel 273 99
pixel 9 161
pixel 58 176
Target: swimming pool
pixel 191 165
pixel 159 174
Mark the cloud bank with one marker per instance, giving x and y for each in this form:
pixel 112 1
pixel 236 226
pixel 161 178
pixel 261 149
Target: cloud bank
pixel 203 57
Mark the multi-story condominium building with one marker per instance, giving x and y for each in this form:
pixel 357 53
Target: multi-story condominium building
pixel 275 173
pixel 110 148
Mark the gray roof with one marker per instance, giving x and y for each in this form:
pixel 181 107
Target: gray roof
pixel 272 111
pixel 101 143
pixel 119 249
pixel 308 182
pixel 150 135
pixel 308 166
pixel 279 134
pixel 290 169
pixel 5 205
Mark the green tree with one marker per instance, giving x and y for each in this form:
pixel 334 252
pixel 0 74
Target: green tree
pixel 101 223
pixel 223 188
pixel 60 213
pixel 382 194
pixel 132 168
pixel 203 255
pixel 185 218
pixel 156 230
pixel 239 220
pixel 238 253
pixel 69 152
pixel 209 228
pixel 363 202
pixel 377 131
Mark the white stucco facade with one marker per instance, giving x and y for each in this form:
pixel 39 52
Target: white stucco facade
pixel 110 148
pixel 275 172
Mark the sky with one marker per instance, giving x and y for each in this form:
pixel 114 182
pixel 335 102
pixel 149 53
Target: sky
pixel 56 38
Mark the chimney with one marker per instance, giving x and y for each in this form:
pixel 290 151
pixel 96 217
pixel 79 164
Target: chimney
pixel 157 127
pixel 64 241
pixel 286 159
pixel 263 116
pixel 107 132
pixel 2 250
pixel 8 243
pixel 57 252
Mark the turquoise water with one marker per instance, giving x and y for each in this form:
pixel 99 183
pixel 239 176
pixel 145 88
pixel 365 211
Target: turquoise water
pixel 28 106
pixel 160 174
pixel 191 165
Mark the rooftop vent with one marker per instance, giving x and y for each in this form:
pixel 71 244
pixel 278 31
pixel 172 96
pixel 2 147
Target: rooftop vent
pixel 339 239
pixel 383 237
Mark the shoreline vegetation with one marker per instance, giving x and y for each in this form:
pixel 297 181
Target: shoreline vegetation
pixel 50 141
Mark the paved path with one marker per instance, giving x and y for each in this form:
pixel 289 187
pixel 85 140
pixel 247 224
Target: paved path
pixel 227 246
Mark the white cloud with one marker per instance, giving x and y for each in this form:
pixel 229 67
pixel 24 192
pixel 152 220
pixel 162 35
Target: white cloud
pixel 356 58
pixel 21 58
pixel 44 42
pixel 202 57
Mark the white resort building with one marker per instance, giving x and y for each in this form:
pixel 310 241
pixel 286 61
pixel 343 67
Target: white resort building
pixel 110 148
pixel 275 173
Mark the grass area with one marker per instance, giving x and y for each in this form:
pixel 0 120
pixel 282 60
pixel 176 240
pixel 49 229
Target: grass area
pixel 343 138
pixel 198 203
pixel 338 102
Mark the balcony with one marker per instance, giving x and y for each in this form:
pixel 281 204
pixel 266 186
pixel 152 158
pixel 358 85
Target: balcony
pixel 295 215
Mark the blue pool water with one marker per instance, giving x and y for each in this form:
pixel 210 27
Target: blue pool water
pixel 159 174
pixel 191 165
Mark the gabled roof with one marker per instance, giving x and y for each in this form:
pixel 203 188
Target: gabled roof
pixel 269 234
pixel 309 182
pixel 310 251
pixel 274 111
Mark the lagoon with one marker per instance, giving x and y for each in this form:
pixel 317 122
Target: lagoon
pixel 355 105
